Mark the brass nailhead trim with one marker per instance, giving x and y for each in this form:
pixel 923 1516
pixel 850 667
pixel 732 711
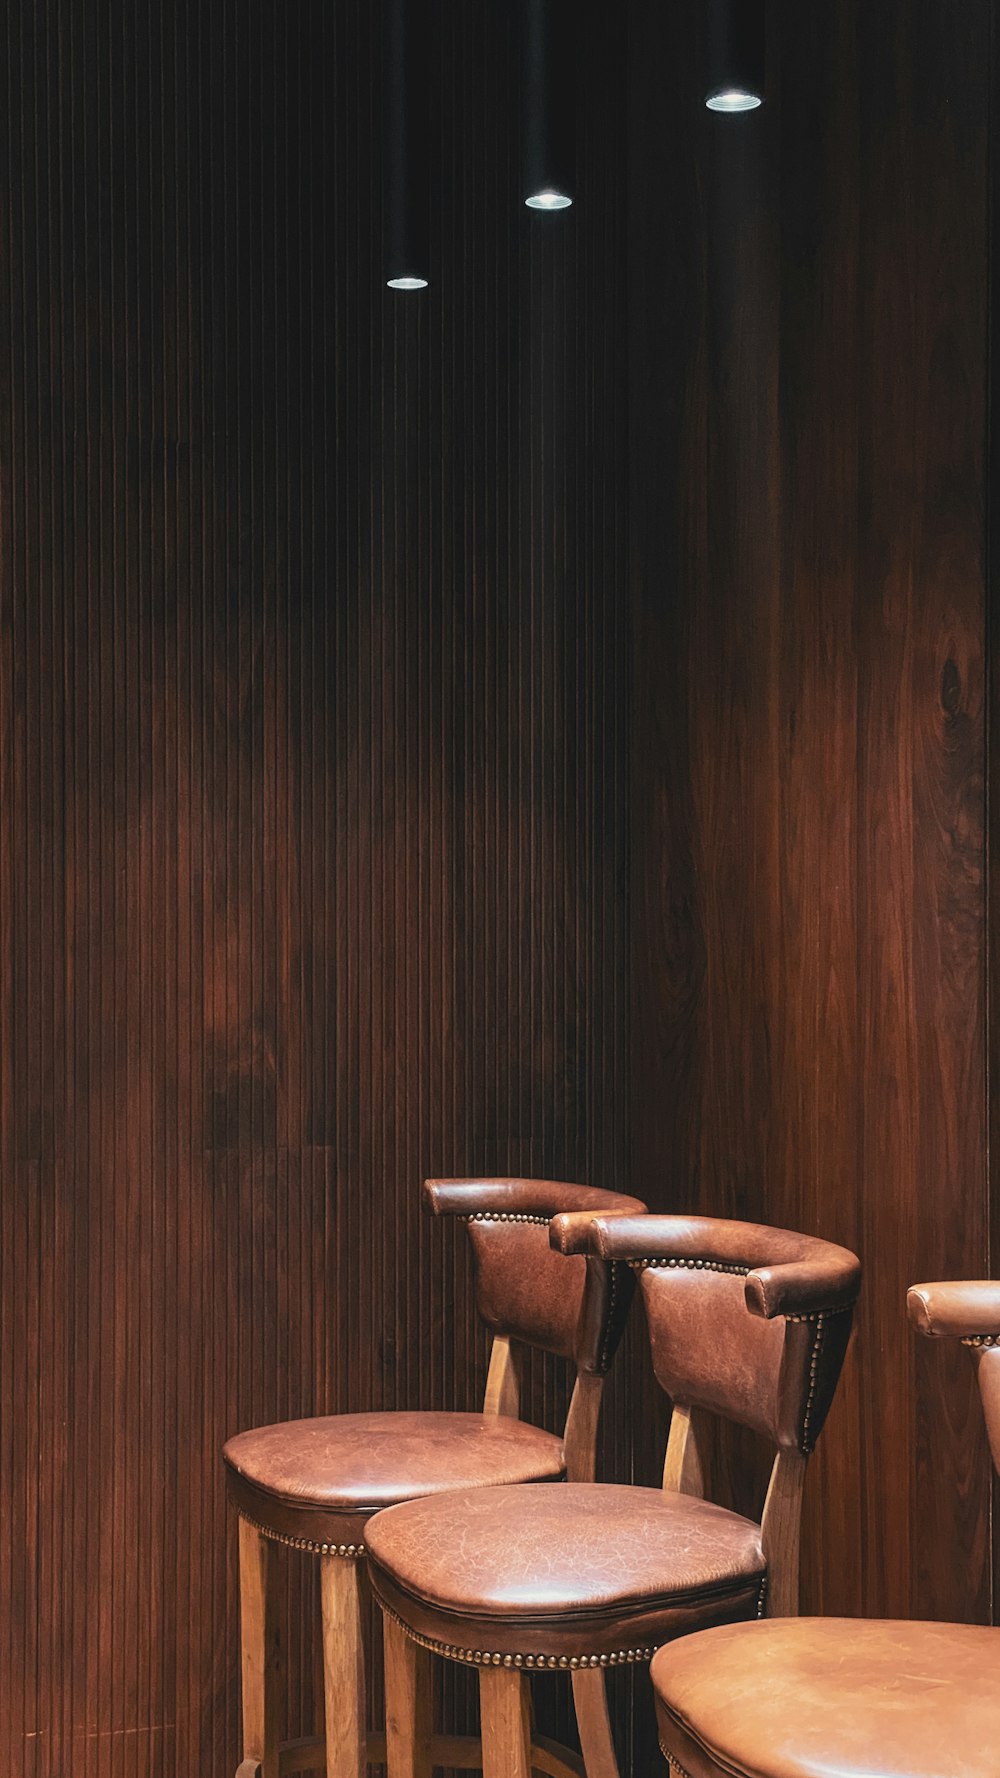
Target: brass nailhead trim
pixel 693 1265
pixel 306 1543
pixel 609 1323
pixel 820 1320
pixel 740 1271
pixel 508 1216
pixel 479 1657
pixel 674 1764
pixel 813 1372
pixel 975 1340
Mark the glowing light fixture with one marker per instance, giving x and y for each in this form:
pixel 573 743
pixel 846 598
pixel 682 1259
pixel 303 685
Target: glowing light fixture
pixel 549 40
pixel 548 200
pixel 733 100
pixel 407 257
pixel 735 73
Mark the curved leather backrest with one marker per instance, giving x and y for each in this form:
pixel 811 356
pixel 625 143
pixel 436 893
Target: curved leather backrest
pixel 573 1307
pixel 747 1321
pixel 967 1310
pixel 777 1377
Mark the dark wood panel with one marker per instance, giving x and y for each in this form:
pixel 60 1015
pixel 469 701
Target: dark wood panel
pixel 313 658
pixel 921 563
pixel 807 531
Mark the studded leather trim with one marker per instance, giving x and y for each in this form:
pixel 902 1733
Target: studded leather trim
pixel 820 1321
pixel 736 1269
pixel 690 1265
pixel 480 1657
pixel 673 1763
pixel 350 1550
pixel 609 1319
pixel 814 1358
pixel 977 1341
pixel 508 1216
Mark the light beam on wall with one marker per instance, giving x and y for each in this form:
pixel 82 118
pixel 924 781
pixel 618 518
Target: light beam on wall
pixel 407 259
pixel 735 72
pixel 549 101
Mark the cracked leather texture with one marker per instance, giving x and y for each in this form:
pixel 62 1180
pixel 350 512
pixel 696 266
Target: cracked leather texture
pixel 581 1567
pixel 525 1290
pixel 710 1351
pixel 532 1197
pixel 321 1478
pixel 784 1272
pixel 575 1308
pixel 832 1698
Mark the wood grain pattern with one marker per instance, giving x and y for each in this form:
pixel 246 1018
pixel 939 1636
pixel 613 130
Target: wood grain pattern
pixel 343 1595
pixel 313 630
pixel 409 1690
pixel 314 777
pixel 260 1646
pixel 504 1702
pixel 808 490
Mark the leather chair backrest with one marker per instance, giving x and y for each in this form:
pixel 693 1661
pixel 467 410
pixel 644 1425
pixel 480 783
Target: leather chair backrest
pixel 710 1351
pixel 745 1321
pixel 967 1310
pixel 575 1308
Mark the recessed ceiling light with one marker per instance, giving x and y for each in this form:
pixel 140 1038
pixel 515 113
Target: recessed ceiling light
pixel 549 103
pixel 733 99
pixel 735 44
pixel 406 125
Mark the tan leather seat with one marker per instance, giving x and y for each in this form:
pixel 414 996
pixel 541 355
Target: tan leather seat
pixel 848 1698
pixel 317 1481
pixel 832 1698
pixel 515 1567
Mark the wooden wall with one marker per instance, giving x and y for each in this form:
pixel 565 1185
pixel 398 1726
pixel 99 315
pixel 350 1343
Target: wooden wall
pixel 347 835
pixel 313 623
pixel 808 421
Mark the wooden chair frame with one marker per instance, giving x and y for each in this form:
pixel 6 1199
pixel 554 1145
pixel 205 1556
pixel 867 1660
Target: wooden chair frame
pixel 509 1746
pixel 347 1746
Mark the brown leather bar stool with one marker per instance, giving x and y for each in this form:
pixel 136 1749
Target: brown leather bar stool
pixel 313 1484
pixel 747 1322
pixel 848 1697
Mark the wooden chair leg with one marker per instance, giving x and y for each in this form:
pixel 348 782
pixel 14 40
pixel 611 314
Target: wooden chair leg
pixel 341 1582
pixel 590 1701
pixel 409 1723
pixel 505 1718
pixel 260 1655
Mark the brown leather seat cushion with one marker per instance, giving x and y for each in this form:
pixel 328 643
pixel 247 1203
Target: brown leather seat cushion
pixel 319 1480
pixel 585 1568
pixel 832 1698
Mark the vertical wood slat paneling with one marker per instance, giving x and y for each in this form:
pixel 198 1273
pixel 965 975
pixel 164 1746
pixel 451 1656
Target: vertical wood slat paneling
pixel 807 789
pixel 312 672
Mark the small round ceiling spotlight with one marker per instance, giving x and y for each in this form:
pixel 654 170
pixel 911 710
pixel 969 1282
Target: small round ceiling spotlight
pixel 548 200
pixel 549 102
pixel 735 45
pixel 406 164
pixel 733 99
